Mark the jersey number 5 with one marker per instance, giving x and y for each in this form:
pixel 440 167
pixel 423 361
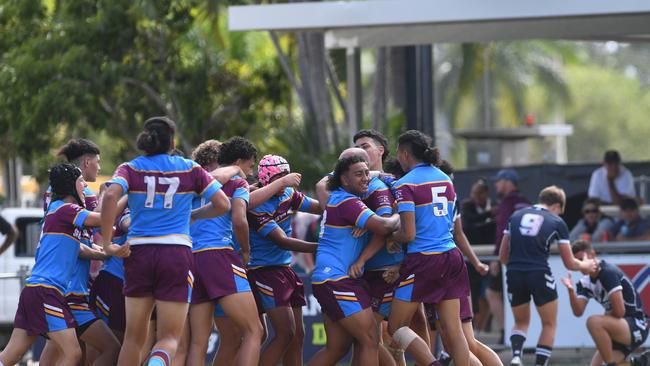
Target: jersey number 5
pixel 439 200
pixel 168 202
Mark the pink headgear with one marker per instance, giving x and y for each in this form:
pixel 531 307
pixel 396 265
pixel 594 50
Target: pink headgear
pixel 270 166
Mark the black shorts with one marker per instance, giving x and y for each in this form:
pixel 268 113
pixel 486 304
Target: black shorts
pixel 524 284
pixel 638 333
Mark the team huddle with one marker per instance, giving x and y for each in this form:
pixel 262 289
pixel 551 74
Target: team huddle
pixel 191 244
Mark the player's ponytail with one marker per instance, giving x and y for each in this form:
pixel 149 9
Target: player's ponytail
pixel 419 145
pixel 158 136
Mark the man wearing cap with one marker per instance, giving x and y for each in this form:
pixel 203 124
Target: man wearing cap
pixel 612 181
pixel 506 182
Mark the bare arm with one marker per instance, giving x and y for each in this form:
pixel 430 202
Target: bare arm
pixel 315 207
pixel 578 304
pixel 376 243
pixel 504 251
pixel 406 231
pixel 613 191
pixel 322 193
pixel 223 175
pixel 572 263
pixel 279 237
pixel 463 244
pixel 87 252
pixel 240 227
pixel 93 220
pixel 263 194
pixel 219 205
pixel 107 218
pixel 10 238
pixel 383 225
pixel 618 306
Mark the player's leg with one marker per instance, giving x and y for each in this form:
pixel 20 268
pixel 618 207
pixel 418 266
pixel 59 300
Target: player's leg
pixel 293 355
pixel 171 318
pixel 449 312
pixel 519 295
pixel 180 357
pixel 485 354
pixel 362 327
pixel 138 315
pixel 284 326
pixel 606 329
pixel 200 324
pixel 337 346
pixel 548 315
pixel 101 338
pixel 66 341
pixel 385 356
pixel 230 340
pixel 241 308
pixel 398 327
pixel 18 345
pixel 420 326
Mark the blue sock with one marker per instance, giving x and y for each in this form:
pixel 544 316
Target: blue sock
pixel 159 357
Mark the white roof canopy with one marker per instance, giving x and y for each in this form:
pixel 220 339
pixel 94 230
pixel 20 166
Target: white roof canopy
pixel 409 22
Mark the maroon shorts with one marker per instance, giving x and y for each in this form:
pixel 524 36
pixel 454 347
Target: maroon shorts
pixel 42 310
pixel 276 287
pixel 218 273
pixel 380 292
pixel 433 278
pixel 107 299
pixel 343 298
pixel 161 271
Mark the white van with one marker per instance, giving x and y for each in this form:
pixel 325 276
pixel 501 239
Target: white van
pixel 20 256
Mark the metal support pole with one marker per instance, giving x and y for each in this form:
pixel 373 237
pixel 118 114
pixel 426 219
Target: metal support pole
pixel 355 96
pixel 12 173
pixel 419 89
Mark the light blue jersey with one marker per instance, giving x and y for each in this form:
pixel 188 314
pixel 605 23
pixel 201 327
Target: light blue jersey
pixel 430 194
pixel 161 189
pixel 337 248
pixel 58 249
pixel 216 233
pixel 272 214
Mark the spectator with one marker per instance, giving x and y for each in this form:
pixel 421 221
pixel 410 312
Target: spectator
pixel 612 181
pixel 632 226
pixel 593 223
pixel 9 232
pixel 477 214
pixel 511 201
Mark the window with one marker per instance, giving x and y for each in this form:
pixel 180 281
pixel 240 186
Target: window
pixel 29 233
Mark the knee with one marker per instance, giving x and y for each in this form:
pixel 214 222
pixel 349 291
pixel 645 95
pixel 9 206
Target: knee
pixel 285 334
pixel 255 330
pixel 74 354
pixel 594 322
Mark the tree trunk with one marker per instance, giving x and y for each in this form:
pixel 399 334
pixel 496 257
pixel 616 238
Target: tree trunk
pixel 379 118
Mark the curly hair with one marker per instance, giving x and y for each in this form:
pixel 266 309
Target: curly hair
pixel 77 148
pixel 236 148
pixel 342 167
pixel 206 153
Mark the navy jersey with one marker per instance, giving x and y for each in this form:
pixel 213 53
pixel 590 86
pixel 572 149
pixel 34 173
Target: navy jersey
pixel 532 231
pixel 611 279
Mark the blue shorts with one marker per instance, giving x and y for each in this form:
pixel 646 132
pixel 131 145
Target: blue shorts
pixel 80 309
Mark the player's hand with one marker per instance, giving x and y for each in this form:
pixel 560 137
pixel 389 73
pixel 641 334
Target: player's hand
pixel 393 247
pixel 356 269
pixel 567 281
pixel 116 250
pixel 358 232
pixel 482 268
pixel 588 266
pixel 245 257
pixel 391 274
pixel 291 180
pixel 495 268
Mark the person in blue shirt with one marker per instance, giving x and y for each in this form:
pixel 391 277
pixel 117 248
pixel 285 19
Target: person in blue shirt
pixel 103 347
pixel 278 289
pixel 158 251
pixel 344 300
pixel 42 308
pixel 220 276
pixel 525 249
pixel 434 269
